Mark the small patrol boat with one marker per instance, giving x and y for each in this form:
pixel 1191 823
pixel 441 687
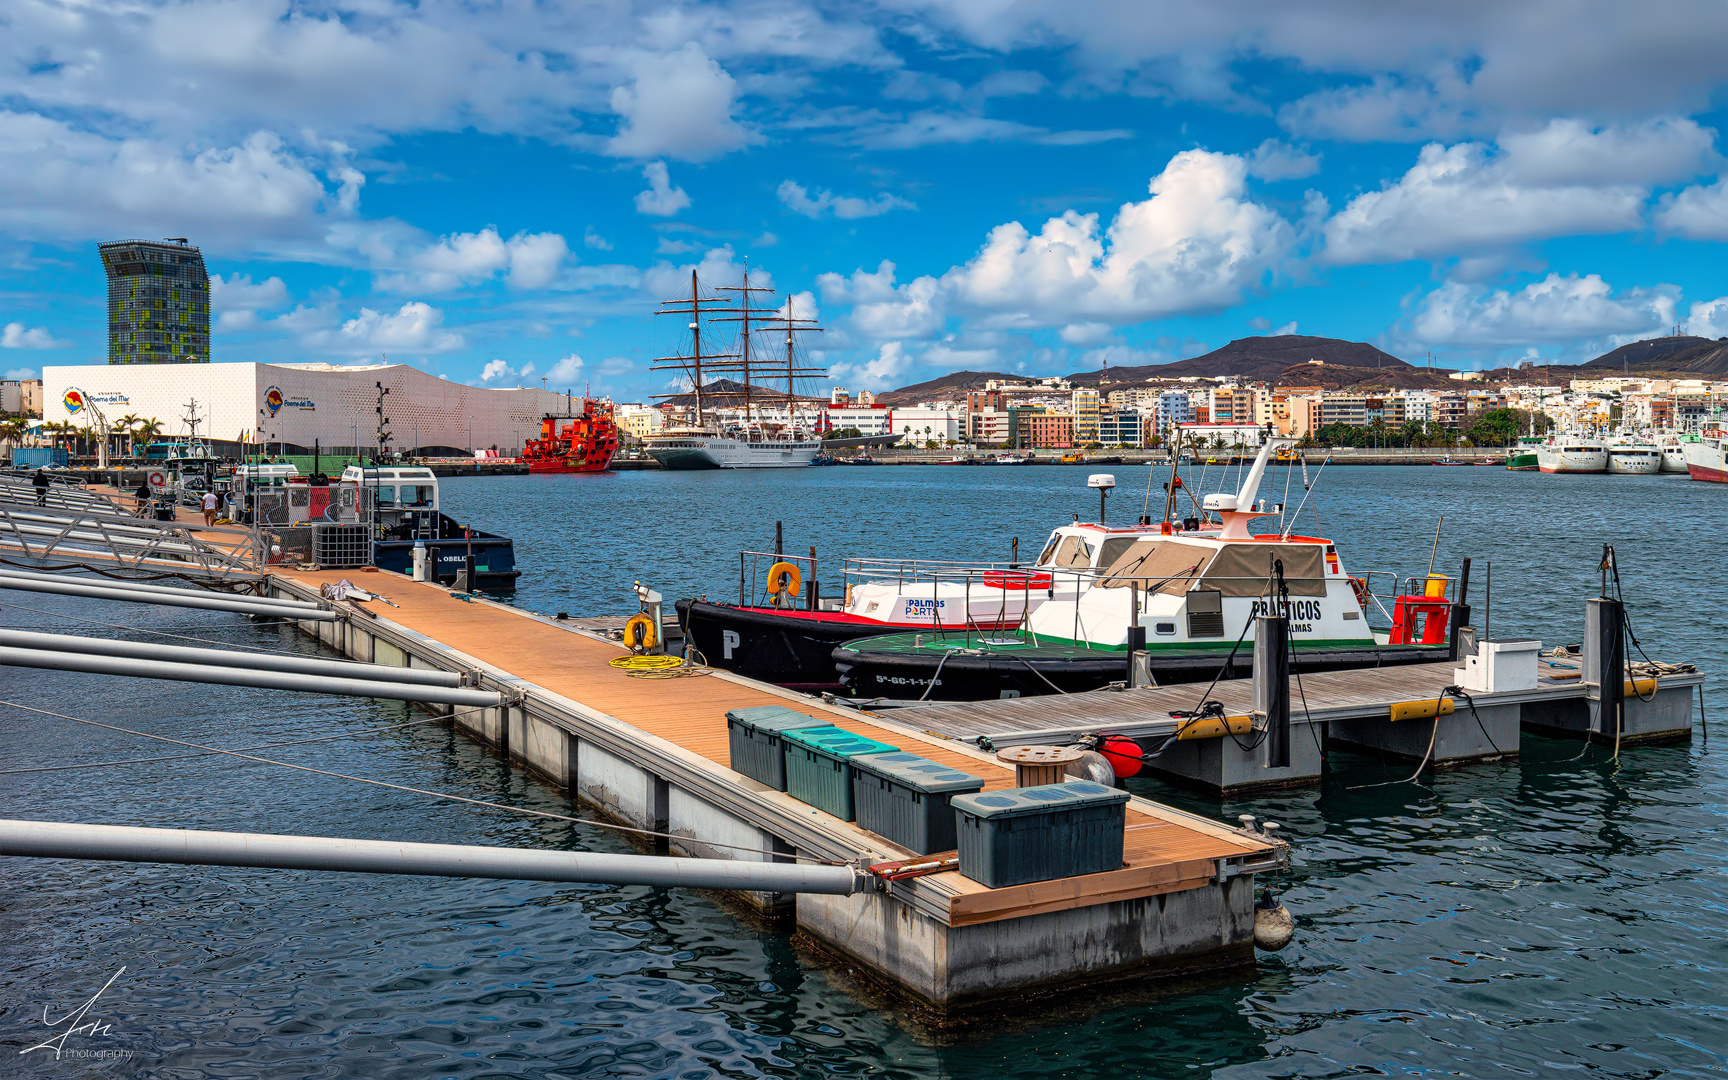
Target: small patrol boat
pixel 1185 594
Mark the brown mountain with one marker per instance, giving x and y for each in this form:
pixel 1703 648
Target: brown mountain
pixel 1679 354
pixel 948 387
pixel 1262 359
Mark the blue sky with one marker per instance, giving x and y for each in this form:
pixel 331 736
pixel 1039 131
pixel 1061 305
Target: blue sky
pixel 501 191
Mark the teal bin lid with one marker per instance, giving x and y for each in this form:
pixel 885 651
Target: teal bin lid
pixel 837 743
pixel 917 773
pixel 1018 802
pixel 774 718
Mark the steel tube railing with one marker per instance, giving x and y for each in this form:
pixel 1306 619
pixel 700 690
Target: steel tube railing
pixel 265 661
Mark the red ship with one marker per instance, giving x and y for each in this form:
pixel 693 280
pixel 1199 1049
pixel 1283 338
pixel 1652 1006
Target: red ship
pixel 585 444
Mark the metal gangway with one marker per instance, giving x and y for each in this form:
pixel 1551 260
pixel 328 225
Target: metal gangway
pixel 78 525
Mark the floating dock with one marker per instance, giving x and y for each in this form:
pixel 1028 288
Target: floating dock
pixel 653 753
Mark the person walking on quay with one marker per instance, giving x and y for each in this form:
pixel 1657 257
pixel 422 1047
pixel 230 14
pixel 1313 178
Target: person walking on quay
pixel 40 482
pixel 209 508
pixel 143 497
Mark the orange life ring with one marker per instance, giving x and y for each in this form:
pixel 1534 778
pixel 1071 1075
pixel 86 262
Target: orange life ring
pixel 784 577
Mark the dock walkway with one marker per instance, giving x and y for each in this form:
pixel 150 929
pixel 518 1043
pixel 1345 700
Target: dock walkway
pixel 677 727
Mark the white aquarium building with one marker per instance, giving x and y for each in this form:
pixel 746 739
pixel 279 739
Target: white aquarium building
pixel 287 408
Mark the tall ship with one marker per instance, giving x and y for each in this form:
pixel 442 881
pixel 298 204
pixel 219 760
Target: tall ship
pixel 735 423
pixel 1630 455
pixel 1572 454
pixel 583 445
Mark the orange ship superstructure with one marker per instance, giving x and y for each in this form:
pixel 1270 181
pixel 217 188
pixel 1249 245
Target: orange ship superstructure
pixel 585 444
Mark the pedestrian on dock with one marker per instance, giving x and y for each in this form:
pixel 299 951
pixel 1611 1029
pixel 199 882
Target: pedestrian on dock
pixel 143 497
pixel 209 508
pixel 40 482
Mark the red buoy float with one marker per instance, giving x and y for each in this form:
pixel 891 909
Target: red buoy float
pixel 1122 753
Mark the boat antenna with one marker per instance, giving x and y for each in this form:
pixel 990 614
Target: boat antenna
pixel 1436 550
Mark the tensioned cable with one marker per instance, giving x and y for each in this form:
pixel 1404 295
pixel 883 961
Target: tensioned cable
pixel 164 633
pixel 400 787
pixel 260 746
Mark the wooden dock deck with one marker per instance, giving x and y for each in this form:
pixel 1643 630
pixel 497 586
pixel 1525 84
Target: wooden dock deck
pixel 1165 850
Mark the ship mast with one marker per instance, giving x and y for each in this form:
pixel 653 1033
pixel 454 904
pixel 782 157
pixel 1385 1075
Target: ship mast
pixel 791 324
pixel 693 307
pixel 744 312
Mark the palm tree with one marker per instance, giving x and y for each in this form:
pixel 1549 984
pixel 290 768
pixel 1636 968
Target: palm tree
pixel 145 430
pixel 12 431
pixel 123 426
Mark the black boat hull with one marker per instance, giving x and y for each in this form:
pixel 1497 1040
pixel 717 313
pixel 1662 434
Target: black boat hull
pixel 794 652
pixel 898 675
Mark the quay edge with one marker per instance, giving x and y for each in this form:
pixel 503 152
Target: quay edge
pixel 1177 920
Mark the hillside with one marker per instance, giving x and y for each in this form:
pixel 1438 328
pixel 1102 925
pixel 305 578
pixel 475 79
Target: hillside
pixel 1261 359
pixel 1681 354
pixel 947 388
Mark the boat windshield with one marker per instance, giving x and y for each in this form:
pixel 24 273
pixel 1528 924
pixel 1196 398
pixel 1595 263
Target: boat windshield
pixel 1162 564
pixel 1074 551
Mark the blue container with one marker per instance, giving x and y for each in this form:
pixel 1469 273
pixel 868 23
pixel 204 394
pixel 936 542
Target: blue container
pixel 905 798
pixel 819 766
pixel 39 457
pixel 754 737
pixel 1040 833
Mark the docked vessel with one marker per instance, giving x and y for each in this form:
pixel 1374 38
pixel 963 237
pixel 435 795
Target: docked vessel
pixel 403 507
pixel 1192 593
pixel 584 445
pixel 1525 458
pixel 1634 457
pixel 1572 454
pixel 1707 459
pixel 762 435
pixel 1673 445
pixel 768 636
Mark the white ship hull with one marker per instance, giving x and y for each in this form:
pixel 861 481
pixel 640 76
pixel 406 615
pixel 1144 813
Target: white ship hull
pixel 1706 461
pixel 1634 460
pixel 1572 458
pixel 1674 458
pixel 720 452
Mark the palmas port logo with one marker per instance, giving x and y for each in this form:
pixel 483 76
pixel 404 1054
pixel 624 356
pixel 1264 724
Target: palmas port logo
pixel 273 399
pixel 73 400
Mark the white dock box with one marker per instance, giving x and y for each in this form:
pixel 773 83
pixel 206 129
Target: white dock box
pixel 1500 666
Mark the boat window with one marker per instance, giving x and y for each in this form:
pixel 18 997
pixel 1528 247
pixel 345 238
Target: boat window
pixel 1049 549
pixel 419 494
pixel 1075 551
pixel 385 495
pixel 1112 549
pixel 1155 564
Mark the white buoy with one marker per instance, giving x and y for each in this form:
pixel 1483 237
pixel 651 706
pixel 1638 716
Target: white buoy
pixel 1273 924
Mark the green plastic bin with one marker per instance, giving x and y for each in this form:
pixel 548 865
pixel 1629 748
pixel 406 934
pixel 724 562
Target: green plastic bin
pixel 819 766
pixel 905 798
pixel 1040 833
pixel 754 737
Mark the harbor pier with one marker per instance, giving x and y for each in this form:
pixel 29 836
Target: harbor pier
pixel 652 753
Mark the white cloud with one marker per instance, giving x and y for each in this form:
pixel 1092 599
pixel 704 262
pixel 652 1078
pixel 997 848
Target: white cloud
pixel 1567 151
pixel 1088 333
pixel 1555 309
pixel 886 370
pixel 60 181
pixel 565 371
pixel 1699 212
pixel 1196 244
pixel 661 199
pixel 415 329
pixel 23 373
pixel 237 301
pixel 665 281
pixel 931 128
pixel 1465 199
pixel 592 239
pixel 679 106
pixel 1709 318
pixel 767 239
pixel 1274 160
pixel 532 261
pixel 18 336
pixel 846 207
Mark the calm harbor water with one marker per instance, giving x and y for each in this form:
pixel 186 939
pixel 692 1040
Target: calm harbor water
pixel 1515 919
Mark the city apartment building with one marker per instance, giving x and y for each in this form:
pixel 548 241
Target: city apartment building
pixel 158 302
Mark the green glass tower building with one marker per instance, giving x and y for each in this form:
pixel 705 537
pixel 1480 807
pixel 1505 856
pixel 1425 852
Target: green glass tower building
pixel 158 302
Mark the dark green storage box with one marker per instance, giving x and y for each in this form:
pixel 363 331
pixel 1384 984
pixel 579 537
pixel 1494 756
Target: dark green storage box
pixel 753 736
pixel 904 798
pixel 1039 833
pixel 819 766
